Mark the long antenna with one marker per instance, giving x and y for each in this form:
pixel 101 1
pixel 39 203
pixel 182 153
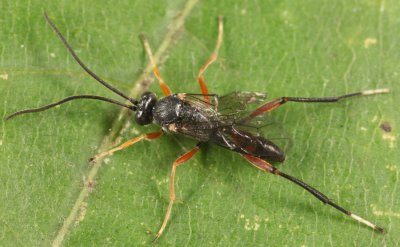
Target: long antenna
pixel 95 97
pixel 97 78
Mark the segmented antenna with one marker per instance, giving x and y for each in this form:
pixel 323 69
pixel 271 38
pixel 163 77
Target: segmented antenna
pixel 97 78
pixel 91 73
pixel 95 97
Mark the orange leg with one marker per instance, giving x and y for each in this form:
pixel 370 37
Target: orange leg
pixel 210 60
pixel 267 167
pixel 182 159
pixel 163 85
pixel 148 136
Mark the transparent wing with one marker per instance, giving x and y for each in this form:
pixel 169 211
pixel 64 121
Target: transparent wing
pixel 197 100
pixel 230 111
pixel 234 108
pixel 229 104
pixel 268 126
pixel 238 101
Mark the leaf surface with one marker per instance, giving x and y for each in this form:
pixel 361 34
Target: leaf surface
pixel 309 49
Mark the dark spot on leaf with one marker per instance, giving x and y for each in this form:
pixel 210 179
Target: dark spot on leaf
pixel 386 126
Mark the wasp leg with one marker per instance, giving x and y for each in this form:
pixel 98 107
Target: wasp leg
pixel 271 105
pixel 210 60
pixel 182 159
pixel 163 85
pixel 265 166
pixel 148 136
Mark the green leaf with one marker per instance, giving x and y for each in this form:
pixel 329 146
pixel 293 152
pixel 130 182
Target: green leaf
pixel 284 48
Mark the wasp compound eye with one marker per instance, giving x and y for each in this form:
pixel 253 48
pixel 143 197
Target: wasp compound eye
pixel 144 112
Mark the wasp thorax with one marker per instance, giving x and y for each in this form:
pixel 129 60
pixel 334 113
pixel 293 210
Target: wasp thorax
pixel 169 110
pixel 144 112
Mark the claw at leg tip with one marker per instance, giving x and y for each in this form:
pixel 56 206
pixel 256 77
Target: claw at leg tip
pixel 380 230
pixel 142 36
pixel 154 241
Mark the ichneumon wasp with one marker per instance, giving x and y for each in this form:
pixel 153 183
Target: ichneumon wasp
pixel 205 117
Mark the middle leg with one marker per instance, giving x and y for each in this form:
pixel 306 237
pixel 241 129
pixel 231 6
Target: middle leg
pixel 210 60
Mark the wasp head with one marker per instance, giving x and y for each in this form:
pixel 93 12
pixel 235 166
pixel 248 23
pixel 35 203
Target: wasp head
pixel 144 112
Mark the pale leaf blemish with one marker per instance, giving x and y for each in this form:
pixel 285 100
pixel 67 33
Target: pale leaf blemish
pixel 126 127
pixel 117 141
pixel 163 181
pixel 256 226
pixel 22 46
pixel 391 138
pixel 247 225
pixel 287 17
pixel 251 225
pixel 91 184
pixel 363 128
pixel 391 168
pixel 374 119
pixel 243 12
pixel 1 142
pixel 53 55
pixel 82 213
pixel 369 42
pixel 135 131
pixel 378 212
pixel 106 160
pixel 4 76
pixel 295 228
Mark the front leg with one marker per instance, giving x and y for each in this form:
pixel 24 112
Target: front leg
pixel 148 136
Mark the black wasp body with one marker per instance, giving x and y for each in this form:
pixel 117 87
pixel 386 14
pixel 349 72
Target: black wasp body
pixel 226 121
pixel 193 117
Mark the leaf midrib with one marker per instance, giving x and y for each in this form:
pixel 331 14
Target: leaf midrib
pixel 139 86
